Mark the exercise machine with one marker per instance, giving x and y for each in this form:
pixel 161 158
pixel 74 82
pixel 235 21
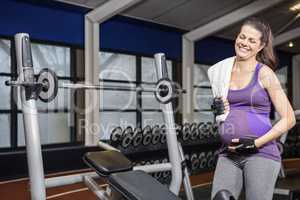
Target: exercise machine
pixel 45 88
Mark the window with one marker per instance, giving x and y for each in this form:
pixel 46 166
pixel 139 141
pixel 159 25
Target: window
pixel 151 112
pixel 55 118
pixel 117 108
pixel 5 105
pixel 202 94
pixel 128 108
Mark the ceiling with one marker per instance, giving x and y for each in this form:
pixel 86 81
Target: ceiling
pixel 190 14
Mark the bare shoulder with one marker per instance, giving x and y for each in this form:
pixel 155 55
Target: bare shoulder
pixel 267 77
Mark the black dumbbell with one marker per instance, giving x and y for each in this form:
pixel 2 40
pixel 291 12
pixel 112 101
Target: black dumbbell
pixel 202 160
pixel 157 175
pixel 194 131
pixel 215 129
pixel 116 136
pixel 155 135
pixel 210 159
pixel 178 130
pixel 127 137
pixel 163 132
pixel 216 155
pixel 186 132
pixel 195 162
pixel 147 135
pixel 210 127
pixel 203 129
pixel 137 137
pixel 200 135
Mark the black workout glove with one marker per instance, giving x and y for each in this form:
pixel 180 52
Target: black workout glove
pixel 245 146
pixel 218 106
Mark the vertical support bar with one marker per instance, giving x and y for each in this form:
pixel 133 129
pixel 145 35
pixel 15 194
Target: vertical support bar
pixel 168 114
pixel 92 104
pixel 186 179
pixel 30 117
pixel 188 58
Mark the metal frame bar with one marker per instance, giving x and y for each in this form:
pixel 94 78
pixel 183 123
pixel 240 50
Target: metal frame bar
pixel 92 38
pixel 286 36
pixel 30 117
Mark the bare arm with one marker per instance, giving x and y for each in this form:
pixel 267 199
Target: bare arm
pixel 282 106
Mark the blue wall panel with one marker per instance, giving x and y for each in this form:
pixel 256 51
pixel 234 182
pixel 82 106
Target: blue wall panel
pixel 57 22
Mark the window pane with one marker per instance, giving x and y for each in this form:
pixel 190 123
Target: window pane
pixel 152 118
pixel 112 99
pixel 116 66
pixel 110 120
pixel 202 98
pixel 200 74
pixel 203 117
pixel 148 99
pixel 4 93
pixel 4 130
pixel 54 128
pixel 5 56
pixel 56 58
pixel 149 70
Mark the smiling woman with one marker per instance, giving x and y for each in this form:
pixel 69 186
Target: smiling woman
pixel 248 137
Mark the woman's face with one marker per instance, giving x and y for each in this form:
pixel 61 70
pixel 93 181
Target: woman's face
pixel 248 43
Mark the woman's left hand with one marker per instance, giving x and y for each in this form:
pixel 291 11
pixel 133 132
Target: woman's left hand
pixel 243 146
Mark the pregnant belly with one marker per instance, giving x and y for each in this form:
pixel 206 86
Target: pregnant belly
pixel 241 124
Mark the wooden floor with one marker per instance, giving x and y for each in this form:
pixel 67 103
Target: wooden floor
pixel 19 189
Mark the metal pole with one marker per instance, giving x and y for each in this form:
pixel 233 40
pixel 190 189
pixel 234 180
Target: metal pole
pixel 30 117
pixel 186 179
pixel 161 70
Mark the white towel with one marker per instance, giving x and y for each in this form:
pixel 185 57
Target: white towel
pixel 219 76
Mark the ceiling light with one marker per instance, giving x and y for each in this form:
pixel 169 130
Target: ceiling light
pixel 295 7
pixel 291 44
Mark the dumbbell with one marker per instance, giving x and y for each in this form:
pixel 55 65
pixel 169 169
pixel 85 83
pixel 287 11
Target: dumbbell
pixel 200 135
pixel 216 157
pixel 163 132
pixel 210 159
pixel 115 136
pixel 186 132
pixel 127 137
pixel 203 129
pixel 178 130
pixel 137 137
pixel 157 175
pixel 297 148
pixel 194 162
pixel 209 127
pixel 155 135
pixel 147 135
pixel 194 131
pixel 203 160
pixel 215 129
pixel 165 174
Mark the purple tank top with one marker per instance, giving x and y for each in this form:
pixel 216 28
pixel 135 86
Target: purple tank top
pixel 249 116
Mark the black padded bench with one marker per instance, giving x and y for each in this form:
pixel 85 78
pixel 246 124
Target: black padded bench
pixel 133 185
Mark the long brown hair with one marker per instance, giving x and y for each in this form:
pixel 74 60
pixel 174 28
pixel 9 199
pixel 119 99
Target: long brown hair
pixel 266 55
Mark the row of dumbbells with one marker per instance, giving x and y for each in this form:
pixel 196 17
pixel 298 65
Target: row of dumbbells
pixel 196 162
pixel 157 134
pixel 291 148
